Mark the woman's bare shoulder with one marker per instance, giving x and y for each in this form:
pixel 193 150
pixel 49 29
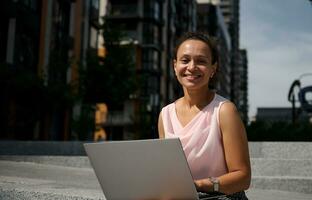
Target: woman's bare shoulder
pixel 228 107
pixel 229 114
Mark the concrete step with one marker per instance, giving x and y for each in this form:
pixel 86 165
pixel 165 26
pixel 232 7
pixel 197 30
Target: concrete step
pixel 283 183
pixel 37 194
pixel 67 161
pixel 260 166
pixel 67 167
pixel 281 150
pixel 33 181
pixel 26 180
pixel 284 166
pixel 285 150
pixel 259 194
pixel 281 167
pixel 72 148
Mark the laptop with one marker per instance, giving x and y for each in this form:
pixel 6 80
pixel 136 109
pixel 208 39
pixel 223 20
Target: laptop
pixel 143 169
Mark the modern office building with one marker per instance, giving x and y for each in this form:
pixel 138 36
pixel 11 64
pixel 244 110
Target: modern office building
pixel 230 12
pixel 51 39
pixel 154 26
pixel 43 43
pixel 19 46
pixel 142 23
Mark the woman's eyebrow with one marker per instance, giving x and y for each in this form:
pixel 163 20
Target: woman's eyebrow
pixel 185 56
pixel 202 56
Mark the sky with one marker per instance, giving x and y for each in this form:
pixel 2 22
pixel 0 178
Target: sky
pixel 278 37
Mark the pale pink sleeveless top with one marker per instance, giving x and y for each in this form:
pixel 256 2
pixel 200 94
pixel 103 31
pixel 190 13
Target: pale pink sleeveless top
pixel 200 138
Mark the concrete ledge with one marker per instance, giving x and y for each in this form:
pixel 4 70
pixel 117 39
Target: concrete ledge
pixel 285 150
pixel 25 180
pixel 15 194
pixel 68 161
pixel 281 167
pixel 285 183
pixel 73 148
pixel 258 194
pixel 278 150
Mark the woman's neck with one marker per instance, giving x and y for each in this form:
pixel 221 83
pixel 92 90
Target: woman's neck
pixel 198 98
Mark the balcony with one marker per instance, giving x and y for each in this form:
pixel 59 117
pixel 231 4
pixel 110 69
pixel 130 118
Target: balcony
pixel 124 11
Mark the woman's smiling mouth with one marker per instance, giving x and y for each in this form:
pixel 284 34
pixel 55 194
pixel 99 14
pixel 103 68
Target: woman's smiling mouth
pixel 192 77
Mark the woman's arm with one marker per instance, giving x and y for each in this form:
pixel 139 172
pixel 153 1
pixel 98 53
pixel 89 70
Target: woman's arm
pixel 161 132
pixel 236 153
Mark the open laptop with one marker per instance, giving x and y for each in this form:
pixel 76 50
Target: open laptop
pixel 143 169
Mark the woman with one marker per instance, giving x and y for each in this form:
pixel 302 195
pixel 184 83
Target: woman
pixel 209 127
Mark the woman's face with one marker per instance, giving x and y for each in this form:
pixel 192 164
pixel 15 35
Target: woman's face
pixel 193 66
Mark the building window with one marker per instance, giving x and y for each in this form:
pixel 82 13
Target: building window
pixel 94 10
pixel 150 59
pixel 151 34
pixel 152 9
pixel 31 4
pixel 129 7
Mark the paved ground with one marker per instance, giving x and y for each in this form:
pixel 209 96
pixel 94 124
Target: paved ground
pixel 23 180
pixel 256 194
pixel 26 180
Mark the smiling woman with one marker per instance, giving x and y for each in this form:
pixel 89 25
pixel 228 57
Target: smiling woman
pixel 197 54
pixel 193 66
pixel 208 125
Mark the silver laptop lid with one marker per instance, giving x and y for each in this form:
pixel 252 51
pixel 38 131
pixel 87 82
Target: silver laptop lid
pixel 142 169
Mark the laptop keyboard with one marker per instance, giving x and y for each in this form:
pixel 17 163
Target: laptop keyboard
pixel 206 196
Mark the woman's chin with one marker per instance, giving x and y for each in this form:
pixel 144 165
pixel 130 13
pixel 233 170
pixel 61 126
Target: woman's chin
pixel 192 86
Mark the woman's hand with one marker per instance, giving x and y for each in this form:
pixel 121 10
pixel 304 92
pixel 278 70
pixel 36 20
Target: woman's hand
pixel 203 185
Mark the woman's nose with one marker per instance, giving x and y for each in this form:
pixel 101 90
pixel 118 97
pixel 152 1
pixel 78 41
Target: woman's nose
pixel 191 66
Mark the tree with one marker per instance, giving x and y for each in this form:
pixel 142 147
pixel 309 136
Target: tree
pixel 112 78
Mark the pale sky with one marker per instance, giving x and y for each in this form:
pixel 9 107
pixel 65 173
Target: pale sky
pixel 278 37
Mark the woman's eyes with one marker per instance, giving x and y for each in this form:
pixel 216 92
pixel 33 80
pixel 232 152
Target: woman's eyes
pixel 184 61
pixel 202 61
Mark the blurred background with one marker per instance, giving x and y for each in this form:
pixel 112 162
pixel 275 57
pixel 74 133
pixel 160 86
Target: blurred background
pixel 102 69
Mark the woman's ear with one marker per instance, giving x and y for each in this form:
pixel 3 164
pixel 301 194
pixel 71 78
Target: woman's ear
pixel 175 65
pixel 215 67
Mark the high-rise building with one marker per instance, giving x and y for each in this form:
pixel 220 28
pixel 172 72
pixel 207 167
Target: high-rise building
pixel 19 46
pixel 230 11
pixel 43 40
pixel 142 23
pixel 154 26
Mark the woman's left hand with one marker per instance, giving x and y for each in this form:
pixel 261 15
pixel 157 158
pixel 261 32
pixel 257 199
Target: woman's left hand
pixel 203 185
